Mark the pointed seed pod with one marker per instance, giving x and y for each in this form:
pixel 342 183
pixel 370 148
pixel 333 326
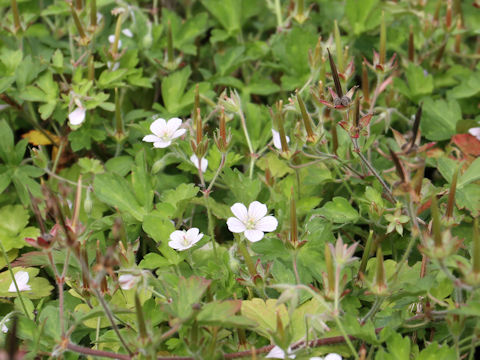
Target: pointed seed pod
pixel 338 46
pixel 416 126
pixel 169 43
pixel 411 45
pixel 436 225
pixel 365 85
pixel 142 329
pixel 383 40
pixel 476 248
pixel 451 195
pixel 330 269
pixel 307 120
pixel 398 166
pixel 293 220
pixel 336 78
pixel 93 13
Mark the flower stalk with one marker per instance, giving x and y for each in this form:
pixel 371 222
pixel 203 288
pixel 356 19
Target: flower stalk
pixel 16 15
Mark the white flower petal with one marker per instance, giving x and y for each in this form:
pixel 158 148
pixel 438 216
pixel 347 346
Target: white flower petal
pixel 276 139
pixel 111 39
pixel 203 162
pixel 235 225
pixel 278 353
pixel 4 328
pixel 127 33
pixel 77 116
pixel 177 235
pixel 254 235
pixel 178 133
pixel 173 124
pixel 257 210
pixel 127 281
pixel 151 138
pixel 266 224
pixel 158 127
pixel 180 246
pixel 240 211
pixel 192 234
pixel 115 66
pixel 21 277
pixel 316 358
pixel 162 144
pixel 333 356
pixel 475 132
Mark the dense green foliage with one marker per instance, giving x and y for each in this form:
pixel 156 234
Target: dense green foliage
pixel 349 129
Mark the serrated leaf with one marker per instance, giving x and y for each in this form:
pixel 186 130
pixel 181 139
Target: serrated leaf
pixel 265 314
pixel 339 210
pixel 115 191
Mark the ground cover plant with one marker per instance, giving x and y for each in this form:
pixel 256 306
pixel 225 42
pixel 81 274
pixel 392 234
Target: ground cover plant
pixel 209 179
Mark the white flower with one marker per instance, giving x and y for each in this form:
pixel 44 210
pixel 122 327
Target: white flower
pixel 475 132
pixel 333 356
pixel 276 139
pixel 21 277
pixel 204 162
pixel 183 240
pixel 277 353
pixel 164 132
pixel 127 33
pixel 111 40
pixel 127 281
pixel 4 327
pixel 115 66
pixel 252 222
pixel 77 116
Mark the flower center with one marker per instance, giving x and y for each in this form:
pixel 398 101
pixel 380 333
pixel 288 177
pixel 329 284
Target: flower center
pixel 186 242
pixel 250 224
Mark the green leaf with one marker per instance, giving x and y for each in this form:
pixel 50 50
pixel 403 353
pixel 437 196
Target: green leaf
pixel 219 312
pixel 115 191
pixel 6 140
pixel 362 15
pixel 13 228
pixel 178 197
pixel 227 12
pixel 440 118
pixel 419 83
pixel 190 291
pixel 173 87
pixel 229 60
pixel 471 174
pixel 436 352
pixel 152 261
pixel 278 167
pixel 265 315
pixel 111 79
pixel 89 165
pixel 339 211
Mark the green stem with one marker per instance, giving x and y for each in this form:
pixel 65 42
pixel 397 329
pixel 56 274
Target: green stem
pixel 389 193
pixel 249 143
pixel 248 259
pixel 222 164
pixel 211 227
pixel 346 337
pixel 278 13
pixel 14 281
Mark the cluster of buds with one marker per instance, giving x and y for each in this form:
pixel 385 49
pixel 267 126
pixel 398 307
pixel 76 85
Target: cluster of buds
pixel 438 243
pixel 471 272
pixel 380 64
pixel 337 258
pixel 339 100
pixel 359 126
pixel 221 137
pixel 258 278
